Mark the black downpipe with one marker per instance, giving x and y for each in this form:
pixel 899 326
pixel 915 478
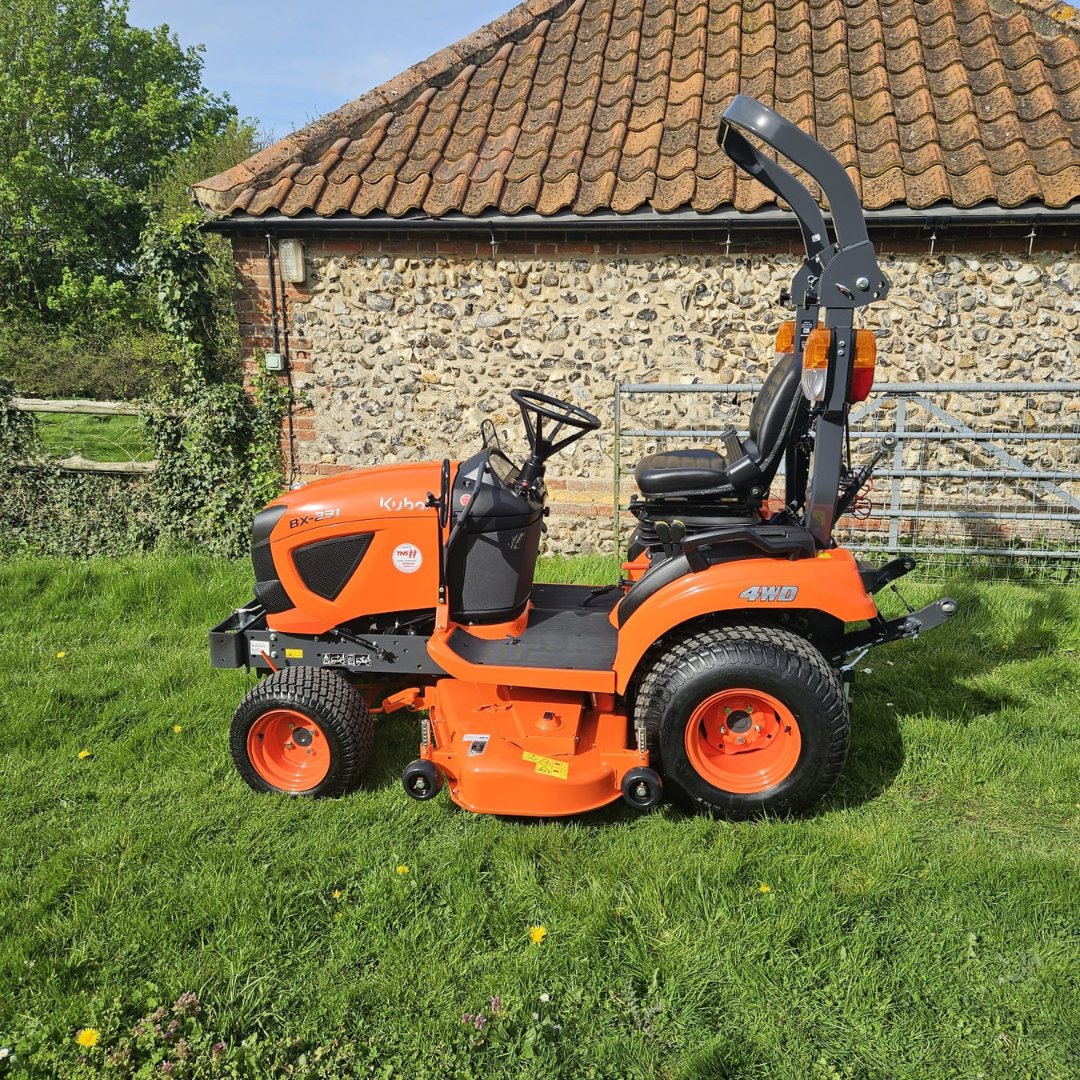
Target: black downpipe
pixel 275 337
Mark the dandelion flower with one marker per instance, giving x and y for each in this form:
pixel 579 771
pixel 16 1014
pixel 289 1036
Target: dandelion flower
pixel 84 754
pixel 61 655
pixel 87 1037
pixel 402 869
pixel 537 934
pixel 337 894
pixel 177 728
pixel 763 888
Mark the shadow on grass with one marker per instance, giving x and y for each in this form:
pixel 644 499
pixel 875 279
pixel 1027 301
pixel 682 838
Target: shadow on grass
pixel 936 678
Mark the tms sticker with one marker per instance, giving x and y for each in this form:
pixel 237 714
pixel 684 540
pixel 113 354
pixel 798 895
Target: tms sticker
pixel 770 594
pixel 407 558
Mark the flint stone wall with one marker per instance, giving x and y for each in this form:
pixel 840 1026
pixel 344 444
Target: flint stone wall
pixel 402 356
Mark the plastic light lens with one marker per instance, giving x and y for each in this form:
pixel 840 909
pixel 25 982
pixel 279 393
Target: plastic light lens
pixel 816 364
pixel 785 337
pixel 291 260
pixel 862 378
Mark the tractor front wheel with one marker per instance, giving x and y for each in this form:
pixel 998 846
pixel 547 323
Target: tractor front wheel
pixel 746 720
pixel 302 731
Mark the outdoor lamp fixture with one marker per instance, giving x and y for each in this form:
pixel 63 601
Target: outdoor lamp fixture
pixel 291 260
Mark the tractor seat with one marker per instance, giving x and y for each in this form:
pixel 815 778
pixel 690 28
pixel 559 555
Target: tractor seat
pixel 746 467
pixel 679 471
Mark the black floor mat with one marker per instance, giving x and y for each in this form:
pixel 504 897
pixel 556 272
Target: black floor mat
pixel 568 628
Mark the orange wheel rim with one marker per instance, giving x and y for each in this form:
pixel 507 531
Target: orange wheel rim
pixel 743 741
pixel 288 750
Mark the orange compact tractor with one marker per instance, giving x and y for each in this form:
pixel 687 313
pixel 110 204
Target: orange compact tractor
pixel 715 671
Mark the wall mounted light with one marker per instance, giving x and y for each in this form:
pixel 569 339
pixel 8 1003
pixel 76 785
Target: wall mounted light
pixel 291 261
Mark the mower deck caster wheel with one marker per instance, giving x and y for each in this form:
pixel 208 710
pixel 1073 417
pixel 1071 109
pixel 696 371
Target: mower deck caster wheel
pixel 642 788
pixel 423 780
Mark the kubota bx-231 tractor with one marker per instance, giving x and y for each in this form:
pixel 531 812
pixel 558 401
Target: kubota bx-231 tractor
pixel 715 671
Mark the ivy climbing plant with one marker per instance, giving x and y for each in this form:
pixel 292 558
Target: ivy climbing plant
pixel 217 443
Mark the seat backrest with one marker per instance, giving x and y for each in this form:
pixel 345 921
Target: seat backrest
pixel 774 412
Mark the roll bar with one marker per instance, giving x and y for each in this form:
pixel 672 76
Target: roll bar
pixel 850 276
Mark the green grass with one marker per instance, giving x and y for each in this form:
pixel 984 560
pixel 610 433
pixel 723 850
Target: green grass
pixel 99 438
pixel 923 924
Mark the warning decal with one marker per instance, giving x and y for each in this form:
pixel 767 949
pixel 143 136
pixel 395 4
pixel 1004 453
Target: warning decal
pixel 547 766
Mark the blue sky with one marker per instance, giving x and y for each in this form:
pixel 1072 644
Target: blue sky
pixel 287 62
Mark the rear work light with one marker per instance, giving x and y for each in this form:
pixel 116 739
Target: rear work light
pixel 785 337
pixel 862 379
pixel 815 364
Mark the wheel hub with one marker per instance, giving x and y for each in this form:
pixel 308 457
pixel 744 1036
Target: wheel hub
pixel 288 750
pixel 743 740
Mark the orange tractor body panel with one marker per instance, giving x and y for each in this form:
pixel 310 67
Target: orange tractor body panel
pixel 400 570
pixel 829 583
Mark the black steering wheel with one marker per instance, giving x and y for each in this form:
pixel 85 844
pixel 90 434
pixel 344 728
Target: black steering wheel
pixel 544 406
pixel 535 409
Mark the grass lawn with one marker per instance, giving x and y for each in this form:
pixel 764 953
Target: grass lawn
pixel 99 438
pixel 923 924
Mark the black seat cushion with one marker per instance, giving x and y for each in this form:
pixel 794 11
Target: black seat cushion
pixel 755 461
pixel 681 470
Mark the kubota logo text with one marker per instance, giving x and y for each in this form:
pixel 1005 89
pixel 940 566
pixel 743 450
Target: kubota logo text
pixel 770 594
pixel 404 503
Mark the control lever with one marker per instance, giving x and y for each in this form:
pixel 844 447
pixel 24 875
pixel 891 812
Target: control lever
pixel 858 481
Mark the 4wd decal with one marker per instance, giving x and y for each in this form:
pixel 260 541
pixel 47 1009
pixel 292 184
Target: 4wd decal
pixel 770 594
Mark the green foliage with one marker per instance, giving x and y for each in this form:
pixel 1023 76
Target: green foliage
pixel 92 110
pixel 102 361
pixel 217 446
pixel 921 925
pixel 218 461
pixel 45 510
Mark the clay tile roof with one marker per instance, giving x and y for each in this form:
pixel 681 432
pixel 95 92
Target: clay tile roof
pixel 586 105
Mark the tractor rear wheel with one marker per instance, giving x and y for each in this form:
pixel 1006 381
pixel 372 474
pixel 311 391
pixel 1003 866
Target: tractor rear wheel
pixel 302 731
pixel 745 720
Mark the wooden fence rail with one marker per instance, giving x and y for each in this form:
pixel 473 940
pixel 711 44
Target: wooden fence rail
pixel 89 408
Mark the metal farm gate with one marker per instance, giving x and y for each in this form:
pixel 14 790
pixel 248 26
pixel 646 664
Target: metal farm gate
pixel 983 475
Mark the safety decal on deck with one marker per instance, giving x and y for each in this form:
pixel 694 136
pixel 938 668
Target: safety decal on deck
pixel 547 766
pixel 294 654
pixel 477 743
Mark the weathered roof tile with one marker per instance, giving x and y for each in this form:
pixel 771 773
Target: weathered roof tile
pixel 616 104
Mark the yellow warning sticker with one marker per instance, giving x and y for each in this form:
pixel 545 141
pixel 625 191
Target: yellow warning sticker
pixel 547 766
pixel 294 654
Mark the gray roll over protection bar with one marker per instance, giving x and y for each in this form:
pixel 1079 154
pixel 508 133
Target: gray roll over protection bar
pixel 839 276
pixel 850 276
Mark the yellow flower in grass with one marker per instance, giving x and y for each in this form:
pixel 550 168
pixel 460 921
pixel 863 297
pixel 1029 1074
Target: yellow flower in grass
pixel 87 1037
pixel 402 869
pixel 60 655
pixel 84 754
pixel 177 728
pixel 337 894
pixel 537 934
pixel 763 888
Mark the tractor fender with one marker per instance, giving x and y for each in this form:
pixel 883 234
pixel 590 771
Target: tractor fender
pixel 829 583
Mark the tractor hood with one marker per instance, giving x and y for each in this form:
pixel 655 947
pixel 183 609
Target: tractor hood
pixel 356 544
